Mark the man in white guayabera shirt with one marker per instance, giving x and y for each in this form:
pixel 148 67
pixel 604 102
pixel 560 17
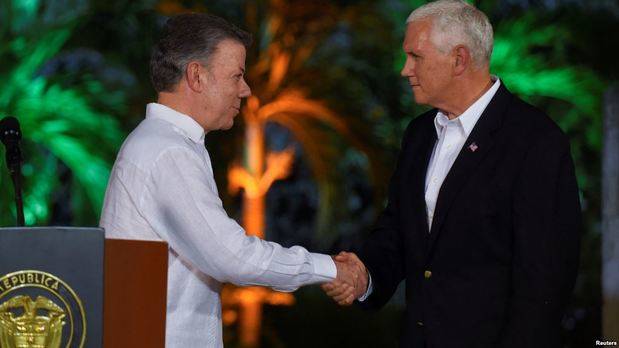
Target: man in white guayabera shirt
pixel 162 186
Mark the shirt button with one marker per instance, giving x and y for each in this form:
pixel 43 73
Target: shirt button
pixel 419 323
pixel 434 180
pixel 427 274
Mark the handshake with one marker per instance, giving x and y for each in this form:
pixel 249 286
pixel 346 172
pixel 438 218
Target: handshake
pixel 351 281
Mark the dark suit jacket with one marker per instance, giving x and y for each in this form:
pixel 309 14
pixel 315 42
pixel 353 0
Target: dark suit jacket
pixel 499 264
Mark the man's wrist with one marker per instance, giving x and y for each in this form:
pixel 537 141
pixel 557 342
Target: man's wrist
pixel 369 290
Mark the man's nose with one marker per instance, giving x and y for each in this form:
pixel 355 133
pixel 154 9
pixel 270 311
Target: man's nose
pixel 245 90
pixel 406 69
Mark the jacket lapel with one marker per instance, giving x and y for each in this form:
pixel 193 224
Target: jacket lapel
pixel 420 172
pixel 416 168
pixel 475 148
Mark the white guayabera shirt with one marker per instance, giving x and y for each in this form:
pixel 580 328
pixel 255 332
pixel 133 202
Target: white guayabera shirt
pixel 162 188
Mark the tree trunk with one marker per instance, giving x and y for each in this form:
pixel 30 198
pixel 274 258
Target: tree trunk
pixel 253 222
pixel 253 215
pixel 610 216
pixel 250 322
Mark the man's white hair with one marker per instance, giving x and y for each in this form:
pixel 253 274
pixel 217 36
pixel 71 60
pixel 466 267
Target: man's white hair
pixel 455 22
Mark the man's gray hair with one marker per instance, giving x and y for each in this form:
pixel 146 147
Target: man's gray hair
pixel 455 22
pixel 185 38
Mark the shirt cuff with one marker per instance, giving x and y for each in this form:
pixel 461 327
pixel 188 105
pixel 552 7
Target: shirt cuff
pixel 369 291
pixel 324 268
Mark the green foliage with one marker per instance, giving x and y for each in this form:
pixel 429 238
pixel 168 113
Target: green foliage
pixel 59 123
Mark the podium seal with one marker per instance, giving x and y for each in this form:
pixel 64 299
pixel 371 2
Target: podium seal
pixel 39 310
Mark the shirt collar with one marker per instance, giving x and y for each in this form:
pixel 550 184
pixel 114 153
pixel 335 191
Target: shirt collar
pixel 187 125
pixel 468 118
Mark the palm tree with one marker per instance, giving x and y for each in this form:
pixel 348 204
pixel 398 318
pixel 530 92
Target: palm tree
pixel 279 98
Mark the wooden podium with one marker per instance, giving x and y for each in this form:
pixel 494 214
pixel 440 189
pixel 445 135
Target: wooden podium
pixel 135 287
pixel 91 291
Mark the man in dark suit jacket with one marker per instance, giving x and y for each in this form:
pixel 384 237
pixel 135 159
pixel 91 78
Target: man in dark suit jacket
pixel 483 214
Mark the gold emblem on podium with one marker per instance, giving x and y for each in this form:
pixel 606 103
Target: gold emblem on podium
pixel 39 310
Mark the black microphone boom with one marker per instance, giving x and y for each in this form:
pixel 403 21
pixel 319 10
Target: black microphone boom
pixel 10 135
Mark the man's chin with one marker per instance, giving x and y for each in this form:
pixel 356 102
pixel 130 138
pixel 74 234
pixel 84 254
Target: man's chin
pixel 228 125
pixel 421 100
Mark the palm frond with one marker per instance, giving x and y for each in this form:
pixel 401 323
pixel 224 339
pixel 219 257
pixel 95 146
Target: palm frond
pixel 58 123
pixel 529 56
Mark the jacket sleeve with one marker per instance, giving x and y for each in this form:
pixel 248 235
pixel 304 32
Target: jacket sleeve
pixel 382 253
pixel 546 241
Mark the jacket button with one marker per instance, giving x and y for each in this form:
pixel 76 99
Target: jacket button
pixel 420 323
pixel 427 274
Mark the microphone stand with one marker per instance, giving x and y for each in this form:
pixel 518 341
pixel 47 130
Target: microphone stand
pixel 15 172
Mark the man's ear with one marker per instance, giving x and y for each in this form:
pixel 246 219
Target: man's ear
pixel 192 75
pixel 462 59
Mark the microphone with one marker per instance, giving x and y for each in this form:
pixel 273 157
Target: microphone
pixel 10 135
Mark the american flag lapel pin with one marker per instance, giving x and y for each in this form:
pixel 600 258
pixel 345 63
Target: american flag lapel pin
pixel 473 147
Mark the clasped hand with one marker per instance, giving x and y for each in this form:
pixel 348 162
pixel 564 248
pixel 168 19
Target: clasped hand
pixel 351 281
